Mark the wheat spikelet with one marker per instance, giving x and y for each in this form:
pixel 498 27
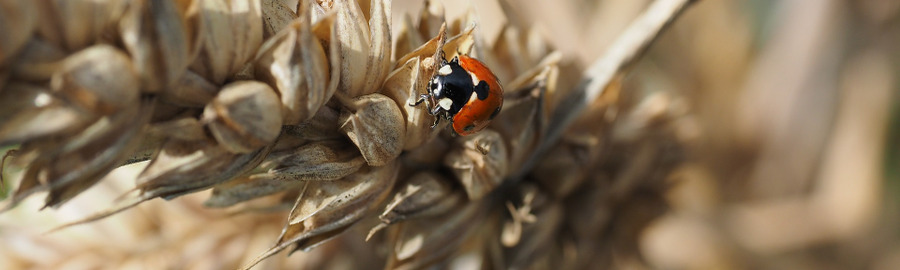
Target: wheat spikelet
pixel 303 109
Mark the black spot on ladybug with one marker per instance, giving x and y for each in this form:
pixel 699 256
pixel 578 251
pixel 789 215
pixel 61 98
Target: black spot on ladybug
pixel 495 113
pixel 469 128
pixel 482 90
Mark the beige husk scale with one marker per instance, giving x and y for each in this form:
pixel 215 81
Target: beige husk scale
pixel 303 110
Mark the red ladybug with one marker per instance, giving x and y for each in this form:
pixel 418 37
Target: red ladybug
pixel 465 92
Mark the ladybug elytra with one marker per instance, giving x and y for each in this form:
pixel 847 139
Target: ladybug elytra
pixel 465 92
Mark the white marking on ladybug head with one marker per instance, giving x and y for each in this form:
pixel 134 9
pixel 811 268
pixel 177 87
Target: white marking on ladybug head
pixel 445 70
pixel 445 103
pixel 438 87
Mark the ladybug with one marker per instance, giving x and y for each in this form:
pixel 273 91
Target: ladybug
pixel 465 92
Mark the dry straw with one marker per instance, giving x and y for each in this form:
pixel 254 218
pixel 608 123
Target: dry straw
pixel 307 106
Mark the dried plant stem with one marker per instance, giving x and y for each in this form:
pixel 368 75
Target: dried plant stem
pixel 125 202
pixel 624 52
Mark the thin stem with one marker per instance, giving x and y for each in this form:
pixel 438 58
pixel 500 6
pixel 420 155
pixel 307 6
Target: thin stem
pixel 621 55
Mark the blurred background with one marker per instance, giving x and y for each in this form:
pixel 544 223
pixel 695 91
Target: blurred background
pixel 792 163
pixel 795 162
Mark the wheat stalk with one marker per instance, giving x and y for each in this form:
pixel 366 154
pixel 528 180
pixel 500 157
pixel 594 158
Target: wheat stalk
pixel 276 105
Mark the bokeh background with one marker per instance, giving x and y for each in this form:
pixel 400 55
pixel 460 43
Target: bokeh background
pixel 792 162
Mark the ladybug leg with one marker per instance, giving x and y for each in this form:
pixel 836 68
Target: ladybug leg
pixel 436 110
pixel 437 119
pixel 422 98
